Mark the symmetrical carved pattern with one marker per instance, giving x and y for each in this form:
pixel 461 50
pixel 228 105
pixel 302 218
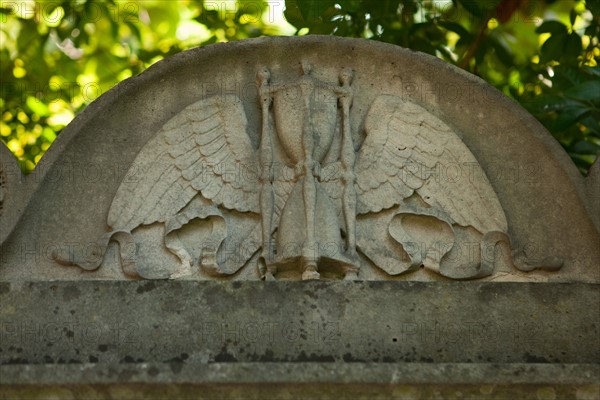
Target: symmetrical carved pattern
pixel 306 200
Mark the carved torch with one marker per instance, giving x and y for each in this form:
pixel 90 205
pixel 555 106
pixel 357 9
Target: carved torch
pixel 347 158
pixel 266 175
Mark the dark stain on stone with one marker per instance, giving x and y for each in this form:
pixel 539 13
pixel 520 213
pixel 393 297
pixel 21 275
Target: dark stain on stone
pixel 541 295
pixel 486 295
pixel 131 360
pixel 388 359
pixel 147 287
pixel 71 292
pixel 72 312
pixel 4 288
pixel 302 357
pixel 153 371
pixel 93 359
pixel 70 334
pixel 426 359
pixel 179 359
pixel 322 284
pixel 103 348
pixel 268 356
pixel 126 375
pixel 236 285
pixel 225 356
pixel 350 358
pixel 17 360
pixel 176 367
pixel 48 360
pixel 530 358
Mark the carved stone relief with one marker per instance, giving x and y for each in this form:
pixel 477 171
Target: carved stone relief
pixel 310 201
pixel 2 188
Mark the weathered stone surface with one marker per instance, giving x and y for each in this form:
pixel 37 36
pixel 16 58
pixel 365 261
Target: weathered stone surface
pixel 412 381
pixel 471 375
pixel 132 255
pixel 377 173
pixel 12 192
pixel 488 340
pixel 206 322
pixel 593 187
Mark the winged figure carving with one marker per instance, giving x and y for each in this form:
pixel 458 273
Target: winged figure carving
pixel 307 198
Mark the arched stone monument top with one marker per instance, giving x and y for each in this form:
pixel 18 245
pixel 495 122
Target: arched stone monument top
pixel 289 159
pixel 303 158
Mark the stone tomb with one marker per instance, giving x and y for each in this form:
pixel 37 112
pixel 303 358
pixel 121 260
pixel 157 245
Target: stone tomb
pixel 278 212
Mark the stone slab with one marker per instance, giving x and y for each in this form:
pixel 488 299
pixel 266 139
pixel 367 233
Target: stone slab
pixel 333 381
pixel 206 322
pixel 311 373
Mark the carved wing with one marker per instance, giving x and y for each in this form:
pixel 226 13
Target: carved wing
pixel 407 150
pixel 205 148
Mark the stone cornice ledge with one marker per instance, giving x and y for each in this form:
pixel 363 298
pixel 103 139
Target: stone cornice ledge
pixel 301 373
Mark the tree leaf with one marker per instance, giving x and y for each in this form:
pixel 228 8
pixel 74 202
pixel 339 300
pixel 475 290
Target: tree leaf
pixel 293 15
pixel 480 8
pixel 501 50
pixel 592 70
pixel 572 48
pixel 552 49
pixel 568 118
pixel 313 10
pixel 572 16
pixel 587 91
pixel 585 147
pixel 456 28
pixel 554 27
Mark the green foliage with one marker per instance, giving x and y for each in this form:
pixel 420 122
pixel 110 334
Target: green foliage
pixel 56 57
pixel 542 54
